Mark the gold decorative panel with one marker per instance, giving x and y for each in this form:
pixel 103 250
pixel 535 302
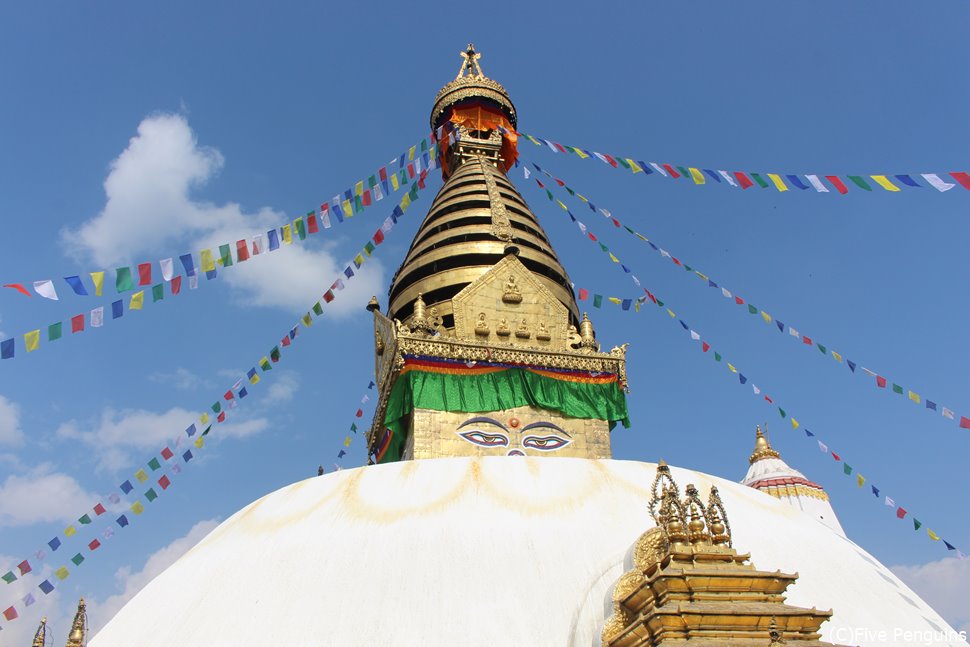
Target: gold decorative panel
pixel 522 431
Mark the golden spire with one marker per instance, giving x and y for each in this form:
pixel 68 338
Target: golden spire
pixel 762 448
pixel 40 638
pixel 470 62
pixel 79 628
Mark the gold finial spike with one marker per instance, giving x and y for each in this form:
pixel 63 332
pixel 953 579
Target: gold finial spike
pixel 696 526
pixel 40 637
pixel 79 628
pixel 586 334
pixel 469 63
pixel 373 304
pixel 762 448
pixel 717 520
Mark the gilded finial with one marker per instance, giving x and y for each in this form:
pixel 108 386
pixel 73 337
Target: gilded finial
pixel 373 304
pixel 762 448
pixel 79 628
pixel 40 637
pixel 470 62
pixel 717 520
pixel 420 322
pixel 587 335
pixel 697 526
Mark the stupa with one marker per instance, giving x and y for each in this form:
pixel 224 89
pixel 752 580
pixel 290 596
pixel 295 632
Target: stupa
pixel 494 513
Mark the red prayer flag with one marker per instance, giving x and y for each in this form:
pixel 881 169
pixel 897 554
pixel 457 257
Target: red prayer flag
pixel 242 251
pixel 739 301
pixel 743 180
pixel 99 510
pixel 359 414
pixel 94 545
pixel 221 417
pixel 900 512
pixel 311 223
pixel 366 198
pixel 676 262
pixel 705 346
pixel 837 183
pixel 383 173
pixel 411 170
pixel 806 340
pixel 610 159
pixel 228 395
pixel 769 399
pixel 583 294
pixel 559 182
pixel 965 422
pixel 24 567
pixel 176 284
pixel 962 178
pixel 560 147
pixel 328 296
pixel 77 323
pixel 670 169
pixel 164 482
pixel 286 341
pixel 616 223
pixel 880 382
pixel 591 237
pixel 650 294
pixel 836 456
pixel 539 182
pixel 10 613
pixel 378 236
pixel 144 274
pixel 19 288
pixel 422 178
pixel 167 453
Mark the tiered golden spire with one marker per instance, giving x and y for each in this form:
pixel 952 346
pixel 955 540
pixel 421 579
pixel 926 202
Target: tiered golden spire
pixel 79 628
pixel 762 448
pixel 40 637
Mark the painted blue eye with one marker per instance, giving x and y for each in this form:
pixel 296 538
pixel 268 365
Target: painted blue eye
pixel 545 443
pixel 483 439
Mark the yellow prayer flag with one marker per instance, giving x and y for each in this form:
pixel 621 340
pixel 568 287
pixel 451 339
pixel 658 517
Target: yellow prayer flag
pixel 347 441
pixel 137 300
pixel 32 340
pixel 394 181
pixel 914 397
pixel 614 300
pixel 614 258
pixel 582 197
pixel 199 442
pixel 860 479
pixel 884 182
pixel 766 316
pixel 137 507
pixel 348 209
pixel 733 370
pixel 307 320
pixel 779 183
pixel 564 207
pixel 671 313
pixel 359 188
pixel 287 235
pixel 141 476
pixel 696 175
pixel 358 260
pixel 411 153
pixel 581 154
pixel 794 424
pixel 254 379
pixel 62 573
pixel 405 202
pixel 70 531
pixel 204 418
pixel 838 357
pixel 642 237
pixel 98 279
pixel 703 276
pixel 933 535
pixel 633 165
pixel 205 258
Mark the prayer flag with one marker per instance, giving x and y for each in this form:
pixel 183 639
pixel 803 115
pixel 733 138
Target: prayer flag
pixel 311 223
pixel 597 300
pixel 24 567
pixel 137 300
pixel 816 183
pixel 964 422
pixel 897 389
pixel 84 519
pixel 300 228
pixel 9 577
pixel 19 288
pixel 947 413
pixel 274 240
pixel 837 183
pixel 287 234
pixel 54 331
pixel 908 181
pixel 779 183
pixel 846 468
pixel 99 510
pixel 696 175
pixel 158 292
pixel 325 215
pixel 914 397
pixel 123 280
pixel 962 178
pixel 164 482
pixel 880 382
pixel 860 479
pixel 900 512
pixel 46 289
pixel 760 180
pixel 155 464
pixel 32 340
pixel 187 263
pixel 54 543
pixel 859 182
pixel 10 613
pixel 141 475
pixel 933 535
pixel 937 183
pixel 62 573
pixel 205 259
pixel 126 487
pixel 144 274
pixel 137 507
pixel 94 544
pixel 76 285
pixel 884 182
pixel 151 495
pixel 253 376
pixel 7 349
pixel 78 559
pixel 242 250
pixel 167 269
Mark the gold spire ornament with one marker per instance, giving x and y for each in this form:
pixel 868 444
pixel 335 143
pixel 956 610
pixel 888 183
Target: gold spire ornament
pixel 470 63
pixel 762 448
pixel 40 636
pixel 79 628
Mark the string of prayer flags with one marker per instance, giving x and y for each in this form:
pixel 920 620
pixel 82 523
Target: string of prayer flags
pixel 805 340
pixel 778 181
pixel 348 439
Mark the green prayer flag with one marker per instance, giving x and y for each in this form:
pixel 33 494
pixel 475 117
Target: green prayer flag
pixel 717 356
pixel 154 464
pixel 688 268
pixel 54 331
pixel 570 191
pixel 372 181
pixel 821 348
pixel 897 389
pixel 300 228
pixel 916 523
pixel 358 204
pixel 623 162
pixel 207 430
pixel 859 182
pixel 424 145
pixel 225 255
pixel 683 171
pixel 782 412
pixel 317 309
pixel 86 519
pixel 604 248
pixel 275 353
pixel 846 468
pixel 150 495
pixel 414 191
pixel 158 292
pixel 752 309
pixel 9 577
pixel 216 407
pixel 369 248
pixel 760 180
pixel 597 300
pixel 123 280
pixel 353 427
pixel 77 559
pixel 549 193
pixel 660 303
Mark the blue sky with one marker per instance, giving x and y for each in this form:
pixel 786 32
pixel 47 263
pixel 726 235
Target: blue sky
pixel 136 133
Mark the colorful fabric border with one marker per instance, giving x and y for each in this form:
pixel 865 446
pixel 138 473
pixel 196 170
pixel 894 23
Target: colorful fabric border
pixel 782 182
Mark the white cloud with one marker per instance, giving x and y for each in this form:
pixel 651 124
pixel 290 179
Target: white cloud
pixel 10 432
pixel 944 585
pixel 42 496
pixel 150 212
pixel 181 378
pixel 120 434
pixel 131 582
pixel 283 387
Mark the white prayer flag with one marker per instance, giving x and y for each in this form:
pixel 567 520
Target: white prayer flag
pixel 581 226
pixel 726 293
pixel 167 268
pixel 194 281
pixel 258 241
pixel 635 279
pixel 947 413
pixel 823 447
pixel 727 176
pixel 694 336
pixel 817 183
pixel 793 332
pixel 600 158
pixel 659 170
pixel 97 317
pixel 890 502
pixel 525 172
pixel 378 193
pixel 387 225
pixel 46 289
pixel 606 213
pixel 665 253
pixel 756 390
pixel 937 183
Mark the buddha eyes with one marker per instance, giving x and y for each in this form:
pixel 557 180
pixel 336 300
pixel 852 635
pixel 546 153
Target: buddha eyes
pixel 484 439
pixel 545 443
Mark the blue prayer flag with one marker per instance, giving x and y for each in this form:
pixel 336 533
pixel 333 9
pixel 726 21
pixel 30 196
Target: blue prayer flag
pixel 117 309
pixel 243 392
pixel 715 176
pixel 122 521
pixel 371 385
pixel 6 348
pixel 742 378
pixel 188 264
pixel 627 303
pixel 931 405
pixel 190 430
pixel 274 239
pixel 781 326
pixel 348 271
pixel 808 433
pixel 908 181
pixel 949 546
pixel 46 586
pixel 794 179
pixel 211 274
pixel 683 324
pixel 187 456
pixel 875 491
pixel 646 167
pixel 76 285
pixel 341 454
pixel 851 365
pixel 126 487
pixel 336 208
pixel 397 213
pixel 54 543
